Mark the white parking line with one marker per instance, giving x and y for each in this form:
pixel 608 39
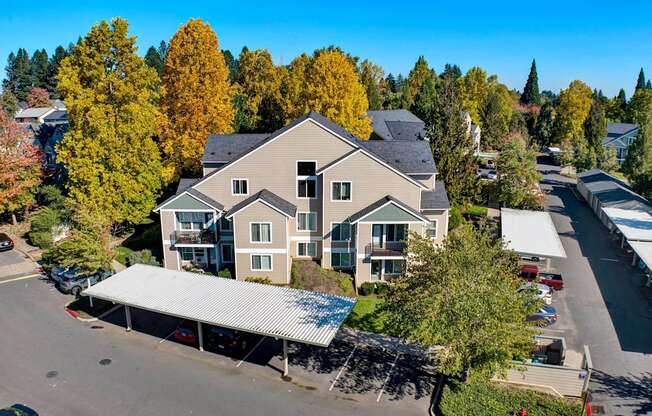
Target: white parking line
pixel 30 276
pixel 382 389
pixel 606 259
pixel 166 338
pixel 249 353
pixel 346 363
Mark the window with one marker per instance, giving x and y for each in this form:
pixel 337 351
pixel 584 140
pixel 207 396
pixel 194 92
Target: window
pixel 396 232
pixel 227 253
pixel 307 221
pixel 341 191
pixel 306 179
pixel 193 221
pixel 307 249
pixel 240 186
pixel 196 254
pixel 340 260
pixel 394 266
pixel 341 232
pixel 261 232
pixel 431 229
pixel 261 262
pixel 226 225
pixel 186 254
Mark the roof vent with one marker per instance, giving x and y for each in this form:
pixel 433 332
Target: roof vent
pixel 397 161
pixel 424 161
pixel 212 153
pixel 228 153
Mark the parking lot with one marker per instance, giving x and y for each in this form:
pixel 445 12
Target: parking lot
pixel 62 366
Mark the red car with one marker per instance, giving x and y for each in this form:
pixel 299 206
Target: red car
pixel 186 332
pixel 531 272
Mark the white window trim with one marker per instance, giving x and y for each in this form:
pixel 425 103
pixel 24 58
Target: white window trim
pixel 251 262
pixel 270 232
pixel 205 224
pixel 239 179
pixel 307 231
pixel 341 200
pixel 303 178
pixel 232 252
pixel 306 242
pixel 351 260
pixel 194 256
pixel 350 232
pixel 436 221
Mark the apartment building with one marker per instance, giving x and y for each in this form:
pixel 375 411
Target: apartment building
pixel 310 190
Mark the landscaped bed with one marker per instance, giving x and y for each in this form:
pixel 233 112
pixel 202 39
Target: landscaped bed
pixel 365 315
pixel 81 307
pixel 491 399
pixel 309 275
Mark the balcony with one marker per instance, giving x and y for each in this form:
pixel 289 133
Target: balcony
pixel 203 237
pixel 385 249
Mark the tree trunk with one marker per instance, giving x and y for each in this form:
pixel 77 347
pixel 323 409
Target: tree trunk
pixel 13 218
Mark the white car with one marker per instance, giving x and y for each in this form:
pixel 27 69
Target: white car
pixel 543 291
pixel 492 175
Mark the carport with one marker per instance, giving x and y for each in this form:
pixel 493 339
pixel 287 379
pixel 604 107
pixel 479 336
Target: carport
pixel 635 228
pixel 279 312
pixel 531 233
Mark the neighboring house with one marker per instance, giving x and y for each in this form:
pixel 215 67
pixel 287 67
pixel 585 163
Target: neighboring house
pixel 310 190
pixel 56 117
pixel 46 126
pixel 396 125
pixel 472 130
pixel 620 136
pixel 33 115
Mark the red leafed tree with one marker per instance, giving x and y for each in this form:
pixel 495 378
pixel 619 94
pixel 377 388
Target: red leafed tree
pixel 20 168
pixel 38 97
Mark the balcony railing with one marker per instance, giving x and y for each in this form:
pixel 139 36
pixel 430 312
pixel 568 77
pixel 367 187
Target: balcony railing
pixel 386 249
pixel 194 237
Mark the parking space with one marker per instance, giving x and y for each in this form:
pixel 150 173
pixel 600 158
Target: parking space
pixel 13 263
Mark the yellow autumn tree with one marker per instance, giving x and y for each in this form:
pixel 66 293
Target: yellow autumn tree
pixel 572 111
pixel 334 90
pixel 197 98
pixel 474 88
pixel 293 91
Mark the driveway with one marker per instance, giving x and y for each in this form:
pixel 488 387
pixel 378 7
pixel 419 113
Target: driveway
pixel 14 263
pixel 606 308
pixel 61 366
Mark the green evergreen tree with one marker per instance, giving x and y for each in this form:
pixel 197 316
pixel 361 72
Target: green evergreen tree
pixel 406 101
pixel 451 145
pixel 391 83
pixel 18 78
pixel 638 163
pixel 640 82
pixel 231 64
pixel 424 102
pixel 595 129
pixel 38 69
pixel 616 109
pixel 648 85
pixel 53 70
pixel 153 60
pixel 545 124
pixel 451 72
pixel 531 94
pixel 496 116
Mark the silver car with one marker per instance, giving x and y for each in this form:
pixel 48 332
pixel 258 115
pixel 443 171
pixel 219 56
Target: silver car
pixel 74 283
pixel 544 292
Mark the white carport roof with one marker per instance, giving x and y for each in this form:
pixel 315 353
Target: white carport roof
pixel 280 312
pixel 643 250
pixel 634 224
pixel 531 233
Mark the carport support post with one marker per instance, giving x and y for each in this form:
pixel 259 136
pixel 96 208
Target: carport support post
pixel 200 336
pixel 622 241
pixel 634 260
pixel 548 263
pixel 285 358
pixel 128 315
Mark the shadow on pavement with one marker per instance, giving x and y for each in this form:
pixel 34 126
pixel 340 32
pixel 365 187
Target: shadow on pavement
pixel 627 387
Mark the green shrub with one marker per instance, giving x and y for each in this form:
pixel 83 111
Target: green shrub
pixel 152 236
pixel 225 273
pixel 51 196
pixel 258 279
pixel 367 288
pixel 486 398
pixel 142 257
pixel 476 211
pixel 308 275
pixel 41 225
pixel 381 288
pixel 455 218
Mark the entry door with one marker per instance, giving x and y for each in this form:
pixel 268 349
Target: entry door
pixel 376 267
pixel 377 235
pixel 200 256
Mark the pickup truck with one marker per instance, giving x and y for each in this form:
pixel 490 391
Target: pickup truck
pixel 531 272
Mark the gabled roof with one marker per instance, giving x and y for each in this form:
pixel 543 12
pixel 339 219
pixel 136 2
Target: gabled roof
pixel 388 199
pixel 34 112
pixel 56 115
pixel 184 188
pixel 437 199
pixel 227 147
pixel 409 157
pixel 268 198
pixel 618 129
pixel 396 125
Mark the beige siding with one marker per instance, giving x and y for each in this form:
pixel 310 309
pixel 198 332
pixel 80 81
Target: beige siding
pixel 259 212
pixel 442 223
pixel 170 257
pixel 170 260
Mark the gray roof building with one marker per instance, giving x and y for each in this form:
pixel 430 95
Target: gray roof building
pixel 619 137
pixel 396 125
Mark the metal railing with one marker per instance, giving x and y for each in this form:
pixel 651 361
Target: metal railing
pixel 391 248
pixel 194 237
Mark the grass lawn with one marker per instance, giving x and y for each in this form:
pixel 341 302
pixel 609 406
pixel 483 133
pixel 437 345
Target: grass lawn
pixel 83 308
pixel 364 316
pixel 121 254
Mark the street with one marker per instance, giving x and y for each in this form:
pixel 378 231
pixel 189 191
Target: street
pixel 607 310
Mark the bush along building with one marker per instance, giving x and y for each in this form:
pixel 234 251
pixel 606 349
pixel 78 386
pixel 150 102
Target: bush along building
pixel 310 190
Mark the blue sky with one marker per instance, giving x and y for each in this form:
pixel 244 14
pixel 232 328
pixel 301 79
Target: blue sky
pixel 603 43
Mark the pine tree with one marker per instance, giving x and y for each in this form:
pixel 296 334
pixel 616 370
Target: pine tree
pixel 595 129
pixel 232 64
pixel 531 94
pixel 424 102
pixel 197 100
pixel 391 83
pixel 113 163
pixel 544 127
pixel 53 70
pixel 18 78
pixel 162 50
pixel 640 82
pixel 451 72
pixel 38 69
pixel 417 76
pixel 372 77
pixel 616 110
pixel 638 162
pixel 153 60
pixel 496 116
pixel 648 85
pixel 451 145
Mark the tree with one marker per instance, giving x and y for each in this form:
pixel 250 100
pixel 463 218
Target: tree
pixel 452 147
pixel 162 50
pixel 451 72
pixel 609 162
pixel 21 168
pixel 372 77
pixel 293 91
pixel 640 106
pixel 260 82
pixel 595 129
pixel 53 70
pixel 231 64
pixel 39 97
pixel 154 60
pixel 544 126
pixel 518 178
pixel 405 98
pixel 496 116
pixel 391 83
pixel 197 99
pixel 616 110
pixel 418 75
pixel 18 78
pixel 424 101
pixel 530 94
pixel 113 163
pixel 572 111
pixel 474 88
pixel 648 84
pixel 8 102
pixel 462 300
pixel 640 82
pixel 638 162
pixel 38 69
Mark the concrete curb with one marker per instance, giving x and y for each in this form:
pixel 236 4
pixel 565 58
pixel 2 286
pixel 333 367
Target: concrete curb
pixel 77 317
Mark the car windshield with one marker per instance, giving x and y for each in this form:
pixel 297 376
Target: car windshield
pixel 222 331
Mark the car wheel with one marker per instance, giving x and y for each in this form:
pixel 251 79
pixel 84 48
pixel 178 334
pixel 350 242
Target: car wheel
pixel 76 291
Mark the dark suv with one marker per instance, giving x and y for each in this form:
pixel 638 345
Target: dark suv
pixel 218 338
pixel 6 243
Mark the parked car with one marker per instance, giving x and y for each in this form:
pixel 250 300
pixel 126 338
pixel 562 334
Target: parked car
pixel 218 338
pixel 492 175
pixel 18 410
pixel 531 272
pixel 186 332
pixel 543 291
pixel 545 316
pixel 56 274
pixel 6 243
pixel 74 282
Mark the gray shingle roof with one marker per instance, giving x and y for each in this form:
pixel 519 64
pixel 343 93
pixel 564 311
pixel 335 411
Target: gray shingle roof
pixel 184 187
pixel 56 115
pixel 205 198
pixel 437 199
pixel 184 183
pixel 406 130
pixel 271 198
pixel 612 192
pixel 407 156
pixel 382 201
pixel 396 125
pixel 227 147
pixel 618 129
